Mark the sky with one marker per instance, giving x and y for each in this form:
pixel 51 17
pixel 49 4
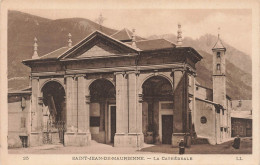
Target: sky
pixel 235 24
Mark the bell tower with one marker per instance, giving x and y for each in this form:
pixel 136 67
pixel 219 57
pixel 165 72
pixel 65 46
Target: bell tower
pixel 219 73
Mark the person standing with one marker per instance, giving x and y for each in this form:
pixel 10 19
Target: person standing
pixel 236 143
pixel 181 147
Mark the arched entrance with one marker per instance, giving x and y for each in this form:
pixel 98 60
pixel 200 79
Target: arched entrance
pixel 102 111
pixel 53 113
pixel 157 110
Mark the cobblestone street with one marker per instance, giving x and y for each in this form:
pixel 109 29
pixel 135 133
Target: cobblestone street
pixel 98 148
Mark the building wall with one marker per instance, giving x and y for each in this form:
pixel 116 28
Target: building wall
pixel 203 93
pixel 205 130
pixel 18 120
pixel 241 127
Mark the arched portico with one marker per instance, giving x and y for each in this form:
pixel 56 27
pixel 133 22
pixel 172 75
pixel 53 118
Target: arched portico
pixel 157 108
pixel 53 112
pixel 102 110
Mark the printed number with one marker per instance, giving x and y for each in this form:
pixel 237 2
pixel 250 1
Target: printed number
pixel 25 158
pixel 239 158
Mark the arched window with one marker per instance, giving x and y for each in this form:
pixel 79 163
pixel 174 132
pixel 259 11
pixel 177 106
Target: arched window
pixel 218 66
pixel 218 54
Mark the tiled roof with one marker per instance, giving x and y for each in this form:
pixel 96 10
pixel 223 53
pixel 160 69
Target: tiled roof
pixel 154 44
pixel 27 90
pixel 141 45
pixel 125 35
pixel 55 53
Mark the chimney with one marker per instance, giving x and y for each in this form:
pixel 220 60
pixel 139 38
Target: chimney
pixel 69 41
pixel 179 36
pixel 133 39
pixel 35 45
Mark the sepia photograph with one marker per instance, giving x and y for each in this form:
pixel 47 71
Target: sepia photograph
pixel 130 82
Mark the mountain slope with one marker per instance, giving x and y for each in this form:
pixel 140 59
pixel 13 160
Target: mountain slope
pixel 52 34
pixel 238 65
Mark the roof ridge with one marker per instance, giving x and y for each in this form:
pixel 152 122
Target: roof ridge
pixel 116 32
pixel 77 43
pixel 153 40
pixel 97 31
pixel 127 31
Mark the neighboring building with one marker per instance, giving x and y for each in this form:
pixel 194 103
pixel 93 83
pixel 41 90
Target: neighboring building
pixel 125 90
pixel 19 103
pixel 213 106
pixel 241 118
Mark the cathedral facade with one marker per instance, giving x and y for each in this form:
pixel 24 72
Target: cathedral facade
pixel 126 90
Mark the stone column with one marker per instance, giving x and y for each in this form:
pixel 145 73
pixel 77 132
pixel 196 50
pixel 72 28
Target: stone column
pixel 87 106
pixel 135 134
pixel 77 112
pixel 178 89
pixel 71 124
pixel 121 110
pixel 35 138
pixel 132 99
pixel 81 104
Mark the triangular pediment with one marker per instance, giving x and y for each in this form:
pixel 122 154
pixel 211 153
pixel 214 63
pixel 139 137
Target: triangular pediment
pixel 99 49
pixel 98 44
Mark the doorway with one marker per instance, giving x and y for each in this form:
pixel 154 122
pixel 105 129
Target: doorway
pixel 112 122
pixel 102 109
pixel 167 129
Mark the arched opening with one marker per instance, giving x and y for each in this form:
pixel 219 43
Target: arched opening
pixel 102 111
pixel 157 110
pixel 53 113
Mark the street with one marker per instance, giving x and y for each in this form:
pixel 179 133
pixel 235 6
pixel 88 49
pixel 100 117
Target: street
pixel 98 148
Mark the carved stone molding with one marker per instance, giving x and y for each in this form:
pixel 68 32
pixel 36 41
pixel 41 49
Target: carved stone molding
pixel 140 97
pixel 178 69
pixel 80 75
pixel 68 75
pixel 35 77
pixel 40 100
pixel 87 99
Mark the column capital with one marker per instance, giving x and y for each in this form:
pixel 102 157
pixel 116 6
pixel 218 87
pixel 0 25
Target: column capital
pixel 178 69
pixel 117 73
pixel 137 72
pixel 191 71
pixel 124 74
pixel 80 75
pixel 35 77
pixel 69 75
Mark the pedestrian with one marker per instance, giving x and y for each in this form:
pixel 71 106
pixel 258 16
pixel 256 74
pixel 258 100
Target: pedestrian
pixel 236 143
pixel 181 147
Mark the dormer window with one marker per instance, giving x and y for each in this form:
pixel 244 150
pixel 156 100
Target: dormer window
pixel 218 54
pixel 218 66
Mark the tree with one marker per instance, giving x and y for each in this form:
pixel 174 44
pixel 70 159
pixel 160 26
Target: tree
pixel 100 21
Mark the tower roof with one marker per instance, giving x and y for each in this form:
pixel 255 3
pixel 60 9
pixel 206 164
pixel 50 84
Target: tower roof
pixel 219 45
